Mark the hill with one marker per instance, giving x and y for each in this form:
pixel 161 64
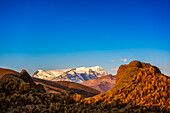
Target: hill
pixel 102 84
pixel 66 86
pixel 4 71
pixel 140 87
pixel 19 93
pixel 23 77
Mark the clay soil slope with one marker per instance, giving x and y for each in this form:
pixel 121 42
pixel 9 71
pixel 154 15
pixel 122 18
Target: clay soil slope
pixel 102 84
pixel 66 86
pixel 4 71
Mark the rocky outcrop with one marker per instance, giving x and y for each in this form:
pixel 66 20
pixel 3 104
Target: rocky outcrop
pixel 20 78
pixel 139 85
pixel 18 93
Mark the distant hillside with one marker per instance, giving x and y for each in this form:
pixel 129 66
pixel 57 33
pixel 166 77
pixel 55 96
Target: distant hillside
pixel 77 75
pixel 4 71
pixel 102 84
pixel 66 86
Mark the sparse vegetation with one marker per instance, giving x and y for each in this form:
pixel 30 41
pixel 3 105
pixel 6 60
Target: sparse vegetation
pixel 139 87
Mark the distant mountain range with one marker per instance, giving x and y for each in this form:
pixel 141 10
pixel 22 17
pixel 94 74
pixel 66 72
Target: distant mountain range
pixel 77 75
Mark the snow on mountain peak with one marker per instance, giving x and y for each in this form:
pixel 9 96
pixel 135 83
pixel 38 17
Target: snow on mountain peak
pixel 96 67
pixel 75 75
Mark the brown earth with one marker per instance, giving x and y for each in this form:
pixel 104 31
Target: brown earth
pixel 4 71
pixel 137 84
pixel 66 86
pixel 102 84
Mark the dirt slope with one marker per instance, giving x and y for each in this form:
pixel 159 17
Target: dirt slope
pixel 66 86
pixel 102 84
pixel 4 71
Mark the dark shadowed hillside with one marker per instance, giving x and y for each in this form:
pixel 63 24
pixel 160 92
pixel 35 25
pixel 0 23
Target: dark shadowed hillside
pixel 66 86
pixel 102 84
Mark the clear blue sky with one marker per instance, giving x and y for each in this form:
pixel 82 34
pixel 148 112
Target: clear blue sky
pixel 51 34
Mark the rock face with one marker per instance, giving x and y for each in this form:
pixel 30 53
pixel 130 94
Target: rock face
pixel 102 84
pixel 126 73
pixel 139 85
pixel 77 75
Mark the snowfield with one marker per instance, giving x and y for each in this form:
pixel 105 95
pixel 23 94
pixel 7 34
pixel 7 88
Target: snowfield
pixel 77 75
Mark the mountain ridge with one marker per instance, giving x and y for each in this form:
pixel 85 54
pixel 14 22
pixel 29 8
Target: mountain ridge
pixel 77 75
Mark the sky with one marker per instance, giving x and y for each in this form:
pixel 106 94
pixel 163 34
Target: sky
pixel 57 34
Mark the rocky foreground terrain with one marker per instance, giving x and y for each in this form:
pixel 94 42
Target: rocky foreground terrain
pixel 139 87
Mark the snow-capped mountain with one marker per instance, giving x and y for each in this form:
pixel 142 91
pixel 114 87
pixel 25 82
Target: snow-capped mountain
pixel 75 75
